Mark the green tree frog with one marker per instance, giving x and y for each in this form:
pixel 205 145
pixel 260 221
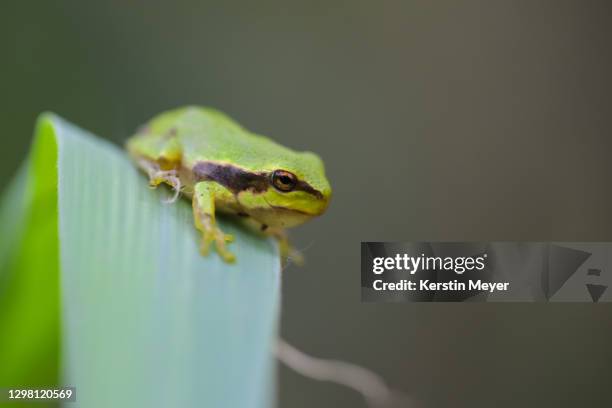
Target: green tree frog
pixel 206 156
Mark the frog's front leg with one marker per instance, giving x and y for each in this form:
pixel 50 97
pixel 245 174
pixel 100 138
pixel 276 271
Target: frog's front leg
pixel 204 196
pixel 158 176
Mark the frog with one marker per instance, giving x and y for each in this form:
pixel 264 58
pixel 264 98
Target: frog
pixel 206 156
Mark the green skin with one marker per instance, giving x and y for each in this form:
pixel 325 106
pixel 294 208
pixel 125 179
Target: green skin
pixel 205 155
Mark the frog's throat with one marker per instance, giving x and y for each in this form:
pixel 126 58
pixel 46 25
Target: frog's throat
pixel 237 179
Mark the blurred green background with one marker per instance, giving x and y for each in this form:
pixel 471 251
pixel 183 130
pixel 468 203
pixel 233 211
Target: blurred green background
pixel 446 120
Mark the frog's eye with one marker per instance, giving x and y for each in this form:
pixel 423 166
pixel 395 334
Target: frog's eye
pixel 283 180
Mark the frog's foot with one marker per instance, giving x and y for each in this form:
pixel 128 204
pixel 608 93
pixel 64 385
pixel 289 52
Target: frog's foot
pixel 213 234
pixel 287 251
pixel 170 177
pixel 158 176
pixel 292 254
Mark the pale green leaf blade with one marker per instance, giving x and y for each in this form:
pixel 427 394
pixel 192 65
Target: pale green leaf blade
pixel 146 320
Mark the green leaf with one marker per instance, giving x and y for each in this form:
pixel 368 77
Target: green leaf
pixel 95 265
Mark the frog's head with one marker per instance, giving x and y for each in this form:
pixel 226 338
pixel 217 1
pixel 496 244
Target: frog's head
pixel 297 191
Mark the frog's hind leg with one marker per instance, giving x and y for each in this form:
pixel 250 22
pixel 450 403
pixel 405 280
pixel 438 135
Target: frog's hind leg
pixel 288 252
pixel 158 176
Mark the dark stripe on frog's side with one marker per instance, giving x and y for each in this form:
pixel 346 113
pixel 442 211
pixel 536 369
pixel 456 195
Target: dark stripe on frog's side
pixel 231 177
pixel 236 179
pixel 307 188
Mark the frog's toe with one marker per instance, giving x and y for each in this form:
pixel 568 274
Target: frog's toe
pixel 289 253
pixel 175 182
pixel 227 255
pixel 169 177
pixel 295 256
pixel 205 245
pixel 220 242
pixel 216 236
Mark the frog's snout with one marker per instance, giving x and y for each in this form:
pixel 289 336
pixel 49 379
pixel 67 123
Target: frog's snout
pixel 322 202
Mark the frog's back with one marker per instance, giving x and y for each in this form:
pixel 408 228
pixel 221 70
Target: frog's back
pixel 205 134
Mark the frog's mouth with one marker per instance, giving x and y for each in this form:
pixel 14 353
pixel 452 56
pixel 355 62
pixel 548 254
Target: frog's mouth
pixel 288 210
pixel 278 216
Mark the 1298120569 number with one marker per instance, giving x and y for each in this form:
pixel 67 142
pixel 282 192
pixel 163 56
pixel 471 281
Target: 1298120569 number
pixel 60 394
